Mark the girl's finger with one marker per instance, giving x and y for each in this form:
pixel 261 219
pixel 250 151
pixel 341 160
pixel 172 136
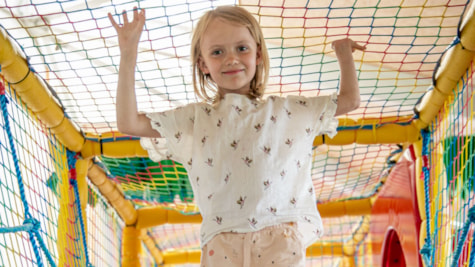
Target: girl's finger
pixel 360 47
pixel 136 13
pixel 112 20
pixel 357 46
pixel 124 15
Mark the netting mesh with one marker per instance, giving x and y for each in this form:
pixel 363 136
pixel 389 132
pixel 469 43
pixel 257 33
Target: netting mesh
pixel 58 218
pixel 33 197
pixel 452 171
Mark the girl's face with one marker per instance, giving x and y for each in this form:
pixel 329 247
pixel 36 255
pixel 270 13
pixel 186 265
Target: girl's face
pixel 229 55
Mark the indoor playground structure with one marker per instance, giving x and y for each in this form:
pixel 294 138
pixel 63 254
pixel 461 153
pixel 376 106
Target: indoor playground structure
pixel 395 186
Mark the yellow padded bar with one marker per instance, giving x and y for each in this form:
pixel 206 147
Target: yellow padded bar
pixel 112 193
pixel 154 216
pixel 467 36
pixel 385 134
pixel 131 247
pixel 388 133
pixel 112 148
pixel 152 248
pixel 32 91
pixel 453 66
pixel 355 207
pixel 181 256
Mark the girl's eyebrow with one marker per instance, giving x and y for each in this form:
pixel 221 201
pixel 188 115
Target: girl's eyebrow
pixel 219 45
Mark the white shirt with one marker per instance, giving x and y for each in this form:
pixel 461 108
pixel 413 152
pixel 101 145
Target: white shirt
pixel 248 161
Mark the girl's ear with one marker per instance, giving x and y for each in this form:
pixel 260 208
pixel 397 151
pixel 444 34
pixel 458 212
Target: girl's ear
pixel 258 55
pixel 202 65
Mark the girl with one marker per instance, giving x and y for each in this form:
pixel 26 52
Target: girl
pixel 248 159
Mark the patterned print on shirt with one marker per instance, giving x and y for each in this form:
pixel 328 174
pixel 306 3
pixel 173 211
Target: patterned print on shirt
pixel 266 150
pixel 316 232
pixel 289 142
pixel 321 117
pixel 178 137
pixel 237 109
pixel 272 210
pixel 302 103
pixel 247 161
pixel 308 131
pixel 310 190
pixel 241 201
pixel 226 178
pixel 258 127
pixel 207 110
pixel 234 144
pixel 209 162
pixel 293 201
pixel 267 184
pixel 289 114
pixel 218 220
pixel 252 222
pixel 282 174
pixel 203 140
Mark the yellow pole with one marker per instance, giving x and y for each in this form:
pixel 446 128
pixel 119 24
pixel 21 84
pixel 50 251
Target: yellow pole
pixel 131 247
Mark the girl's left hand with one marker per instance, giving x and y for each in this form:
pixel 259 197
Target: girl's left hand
pixel 346 43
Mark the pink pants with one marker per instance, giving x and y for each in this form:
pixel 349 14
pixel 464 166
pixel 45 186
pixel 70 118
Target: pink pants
pixel 278 245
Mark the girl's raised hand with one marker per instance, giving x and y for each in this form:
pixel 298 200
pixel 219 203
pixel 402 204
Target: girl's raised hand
pixel 129 32
pixel 346 43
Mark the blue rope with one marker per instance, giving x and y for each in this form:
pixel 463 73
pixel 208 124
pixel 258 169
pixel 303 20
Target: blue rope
pixel 472 252
pixel 31 225
pixel 74 183
pixel 462 237
pixel 35 232
pixel 3 104
pixel 426 250
pixel 36 250
pixel 26 227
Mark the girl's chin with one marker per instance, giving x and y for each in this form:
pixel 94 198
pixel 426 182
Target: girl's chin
pixel 234 91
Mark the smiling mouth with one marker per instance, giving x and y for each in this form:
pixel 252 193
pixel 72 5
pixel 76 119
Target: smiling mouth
pixel 231 72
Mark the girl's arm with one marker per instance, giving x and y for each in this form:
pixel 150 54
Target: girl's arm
pixel 129 121
pixel 349 95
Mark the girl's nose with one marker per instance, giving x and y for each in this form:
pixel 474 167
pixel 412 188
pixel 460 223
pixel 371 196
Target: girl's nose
pixel 232 59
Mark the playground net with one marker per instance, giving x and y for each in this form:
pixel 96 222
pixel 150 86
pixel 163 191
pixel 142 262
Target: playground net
pixel 50 213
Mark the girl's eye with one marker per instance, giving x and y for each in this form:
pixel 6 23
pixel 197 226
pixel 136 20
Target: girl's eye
pixel 217 52
pixel 242 48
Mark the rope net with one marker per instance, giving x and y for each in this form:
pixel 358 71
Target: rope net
pixel 53 212
pixel 452 166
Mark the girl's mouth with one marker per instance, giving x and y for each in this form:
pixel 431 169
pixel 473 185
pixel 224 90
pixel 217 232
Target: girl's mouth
pixel 231 72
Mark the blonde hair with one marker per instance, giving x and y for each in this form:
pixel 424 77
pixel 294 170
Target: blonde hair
pixel 202 83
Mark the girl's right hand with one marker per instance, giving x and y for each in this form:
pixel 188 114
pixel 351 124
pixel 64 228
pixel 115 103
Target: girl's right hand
pixel 129 32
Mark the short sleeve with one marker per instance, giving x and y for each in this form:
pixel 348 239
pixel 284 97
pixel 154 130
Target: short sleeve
pixel 322 111
pixel 328 122
pixel 176 128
